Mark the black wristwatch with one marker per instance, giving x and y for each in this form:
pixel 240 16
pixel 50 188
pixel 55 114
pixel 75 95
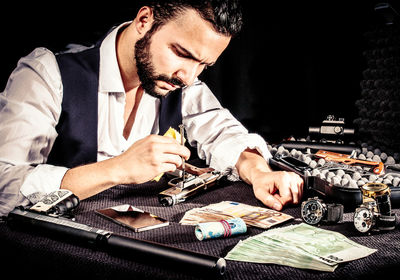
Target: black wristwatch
pixel 314 211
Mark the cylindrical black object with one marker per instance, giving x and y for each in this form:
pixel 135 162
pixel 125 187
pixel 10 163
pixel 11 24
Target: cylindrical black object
pixel 140 250
pixel 383 204
pixel 155 253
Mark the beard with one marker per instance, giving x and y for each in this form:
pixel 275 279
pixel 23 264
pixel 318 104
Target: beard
pixel 145 69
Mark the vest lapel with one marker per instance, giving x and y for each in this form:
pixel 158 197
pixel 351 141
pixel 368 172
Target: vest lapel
pixel 76 143
pixel 170 111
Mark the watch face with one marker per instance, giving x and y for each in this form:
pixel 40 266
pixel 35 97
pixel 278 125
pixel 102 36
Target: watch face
pixel 363 219
pixel 312 211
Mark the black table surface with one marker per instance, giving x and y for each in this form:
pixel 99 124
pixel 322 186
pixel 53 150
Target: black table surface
pixel 28 254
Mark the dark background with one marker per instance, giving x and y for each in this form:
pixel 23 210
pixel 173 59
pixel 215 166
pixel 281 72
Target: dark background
pixel 294 63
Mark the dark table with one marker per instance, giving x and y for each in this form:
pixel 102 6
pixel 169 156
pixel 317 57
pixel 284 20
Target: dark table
pixel 26 253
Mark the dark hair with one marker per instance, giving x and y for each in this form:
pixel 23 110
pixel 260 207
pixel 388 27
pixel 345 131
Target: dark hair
pixel 224 15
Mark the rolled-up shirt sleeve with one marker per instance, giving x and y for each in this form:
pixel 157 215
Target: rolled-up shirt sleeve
pixel 30 107
pixel 220 138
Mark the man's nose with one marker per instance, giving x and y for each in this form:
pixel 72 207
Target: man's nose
pixel 188 73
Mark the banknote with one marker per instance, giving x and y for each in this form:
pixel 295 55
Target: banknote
pixel 251 215
pixel 223 228
pixel 326 244
pixel 301 246
pixel 276 254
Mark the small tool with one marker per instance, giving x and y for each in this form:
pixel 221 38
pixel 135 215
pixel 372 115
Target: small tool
pixel 181 131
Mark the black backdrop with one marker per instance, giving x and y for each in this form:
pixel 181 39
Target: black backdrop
pixel 294 63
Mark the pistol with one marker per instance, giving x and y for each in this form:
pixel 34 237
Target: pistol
pixel 376 167
pixel 193 181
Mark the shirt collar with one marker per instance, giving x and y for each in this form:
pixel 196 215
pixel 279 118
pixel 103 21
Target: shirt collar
pixel 109 75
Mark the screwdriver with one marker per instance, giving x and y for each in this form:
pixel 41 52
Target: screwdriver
pixel 181 131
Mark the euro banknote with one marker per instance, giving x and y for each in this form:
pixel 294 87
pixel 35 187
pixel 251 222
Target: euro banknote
pixel 302 246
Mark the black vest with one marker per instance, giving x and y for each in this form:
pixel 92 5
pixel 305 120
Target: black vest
pixel 76 143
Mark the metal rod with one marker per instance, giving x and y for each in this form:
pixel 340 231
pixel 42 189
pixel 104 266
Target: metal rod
pixel 181 131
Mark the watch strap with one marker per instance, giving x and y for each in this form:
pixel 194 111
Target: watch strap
pixel 386 222
pixel 334 213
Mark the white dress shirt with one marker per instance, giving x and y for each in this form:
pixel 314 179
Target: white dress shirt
pixel 30 108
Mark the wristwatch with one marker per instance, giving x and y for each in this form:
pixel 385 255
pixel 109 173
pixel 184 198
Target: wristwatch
pixel 380 193
pixel 375 213
pixel 365 217
pixel 314 211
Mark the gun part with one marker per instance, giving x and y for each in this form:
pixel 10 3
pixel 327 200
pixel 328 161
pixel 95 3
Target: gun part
pixel 140 250
pixel 332 128
pixel 181 189
pixel 377 167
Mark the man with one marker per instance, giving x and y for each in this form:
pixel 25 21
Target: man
pixel 88 120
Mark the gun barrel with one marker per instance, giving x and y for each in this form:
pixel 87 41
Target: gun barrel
pixel 140 250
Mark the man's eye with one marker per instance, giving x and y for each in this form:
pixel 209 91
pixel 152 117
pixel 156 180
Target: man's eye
pixel 179 53
pixel 183 55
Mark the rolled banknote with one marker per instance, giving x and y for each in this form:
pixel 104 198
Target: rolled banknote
pixel 223 228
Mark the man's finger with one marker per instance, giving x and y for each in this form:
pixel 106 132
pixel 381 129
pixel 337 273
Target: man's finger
pixel 175 149
pixel 297 188
pixel 294 192
pixel 290 188
pixel 271 201
pixel 171 158
pixel 285 192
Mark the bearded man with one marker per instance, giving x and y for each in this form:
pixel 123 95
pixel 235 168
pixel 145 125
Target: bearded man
pixel 89 119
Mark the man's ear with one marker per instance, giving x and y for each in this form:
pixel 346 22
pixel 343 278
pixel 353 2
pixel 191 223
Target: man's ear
pixel 144 20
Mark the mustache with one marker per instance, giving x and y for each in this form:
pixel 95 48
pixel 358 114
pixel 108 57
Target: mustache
pixel 175 81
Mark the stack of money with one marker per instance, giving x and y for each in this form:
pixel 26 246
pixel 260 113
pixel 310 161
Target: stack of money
pixel 252 215
pixel 300 246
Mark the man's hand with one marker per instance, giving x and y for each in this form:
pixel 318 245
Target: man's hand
pixel 277 188
pixel 150 157
pixel 273 188
pixel 143 161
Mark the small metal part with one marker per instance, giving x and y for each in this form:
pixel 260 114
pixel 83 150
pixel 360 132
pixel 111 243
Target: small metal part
pixel 57 203
pixel 180 190
pixel 331 130
pixel 51 200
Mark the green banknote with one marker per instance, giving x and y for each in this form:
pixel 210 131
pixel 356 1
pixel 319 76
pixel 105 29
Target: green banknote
pixel 271 253
pixel 301 246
